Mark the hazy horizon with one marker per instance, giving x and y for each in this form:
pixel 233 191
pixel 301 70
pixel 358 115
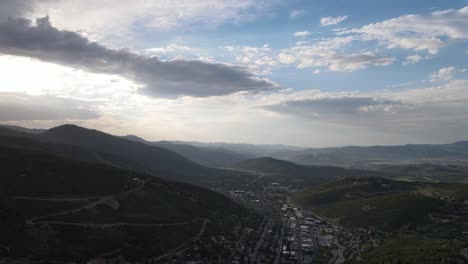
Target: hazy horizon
pixel 301 73
pixel 182 141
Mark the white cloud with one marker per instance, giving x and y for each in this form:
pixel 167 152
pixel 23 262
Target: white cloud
pixel 302 34
pixel 324 54
pixel 171 48
pixel 286 58
pixel 444 74
pixel 329 21
pixel 399 85
pixel 413 59
pixel 296 13
pixel 416 32
pixel 259 60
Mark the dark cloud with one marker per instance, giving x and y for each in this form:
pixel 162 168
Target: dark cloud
pixel 14 8
pixel 159 78
pixel 23 107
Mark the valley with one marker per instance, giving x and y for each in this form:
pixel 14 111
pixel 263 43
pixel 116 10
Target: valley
pixel 260 210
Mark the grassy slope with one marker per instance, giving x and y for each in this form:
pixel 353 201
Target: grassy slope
pixel 389 205
pixel 414 250
pixel 371 202
pixel 309 175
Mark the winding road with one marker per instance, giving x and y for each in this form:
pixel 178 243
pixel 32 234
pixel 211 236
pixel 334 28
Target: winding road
pixel 100 200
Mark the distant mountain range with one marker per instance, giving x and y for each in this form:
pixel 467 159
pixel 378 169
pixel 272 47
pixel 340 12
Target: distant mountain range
pixel 34 131
pixel 249 149
pixel 346 156
pixel 210 157
pixel 223 155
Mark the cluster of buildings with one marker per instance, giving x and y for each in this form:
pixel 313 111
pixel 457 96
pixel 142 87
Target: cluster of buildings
pixel 304 235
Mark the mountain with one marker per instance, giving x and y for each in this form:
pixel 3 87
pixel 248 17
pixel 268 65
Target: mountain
pixel 130 154
pixel 56 209
pixel 289 170
pixel 8 132
pixel 34 131
pixel 210 157
pixel 443 153
pixel 246 149
pixel 88 145
pixel 135 138
pixel 216 157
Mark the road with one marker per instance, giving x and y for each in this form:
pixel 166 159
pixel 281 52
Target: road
pixel 253 257
pixel 280 242
pixel 103 199
pixel 260 175
pixel 110 225
pixel 185 245
pixel 100 199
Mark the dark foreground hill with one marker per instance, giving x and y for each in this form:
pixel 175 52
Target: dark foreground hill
pixel 293 172
pixel 88 145
pixel 150 158
pixel 53 209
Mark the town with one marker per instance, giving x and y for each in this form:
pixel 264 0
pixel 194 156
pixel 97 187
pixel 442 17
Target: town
pixel 282 234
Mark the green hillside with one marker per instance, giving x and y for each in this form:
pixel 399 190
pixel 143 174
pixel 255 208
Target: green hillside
pixel 412 249
pixel 374 202
pixel 310 175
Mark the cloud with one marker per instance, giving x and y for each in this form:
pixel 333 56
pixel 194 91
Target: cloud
pixel 171 48
pixel 324 55
pixel 296 13
pixel 302 34
pixel 114 21
pixel 23 107
pixel 158 78
pixel 259 60
pixel 14 8
pixel 416 32
pixel 399 85
pixel 425 114
pixel 329 21
pixel 444 74
pixel 286 58
pixel 338 107
pixel 413 59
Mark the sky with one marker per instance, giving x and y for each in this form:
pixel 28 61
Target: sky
pixel 310 73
